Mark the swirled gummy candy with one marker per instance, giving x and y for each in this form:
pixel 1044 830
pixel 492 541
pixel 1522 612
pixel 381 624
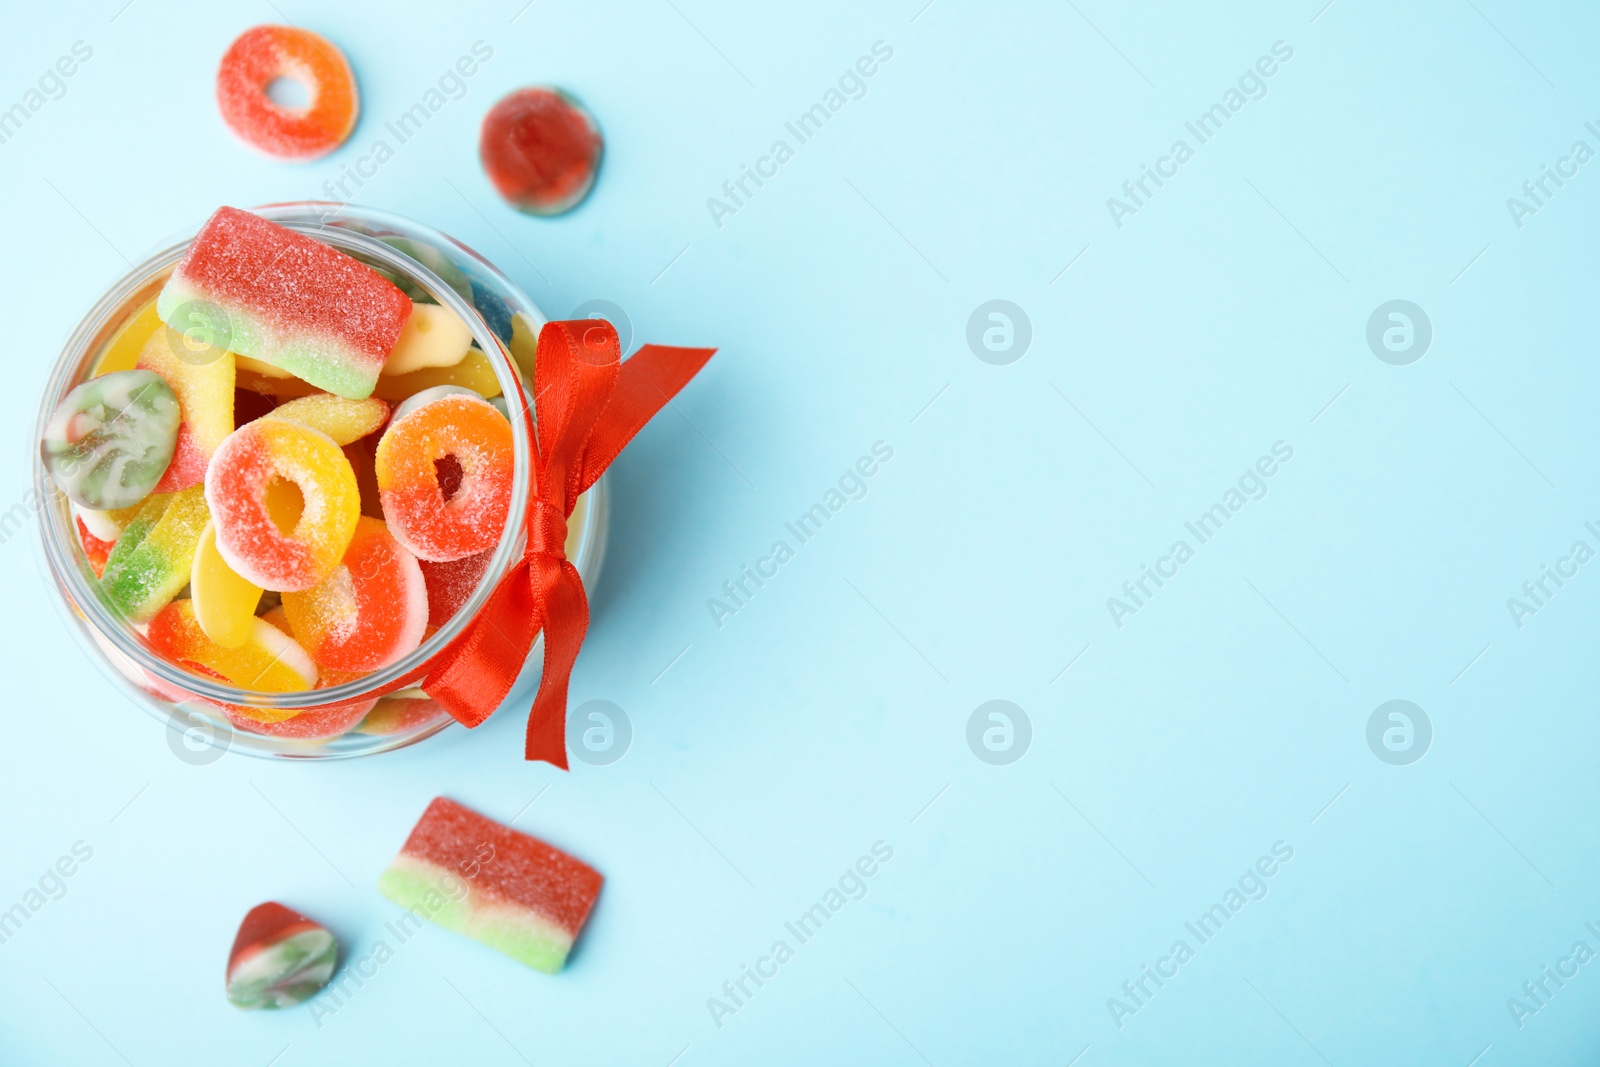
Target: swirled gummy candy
pixel 110 439
pixel 280 958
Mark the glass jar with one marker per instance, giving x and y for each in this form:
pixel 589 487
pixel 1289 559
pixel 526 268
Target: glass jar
pixel 353 718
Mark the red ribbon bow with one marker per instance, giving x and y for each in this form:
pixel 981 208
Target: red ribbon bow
pixel 589 405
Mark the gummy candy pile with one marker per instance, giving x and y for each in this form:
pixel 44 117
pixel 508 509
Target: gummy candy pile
pixel 287 472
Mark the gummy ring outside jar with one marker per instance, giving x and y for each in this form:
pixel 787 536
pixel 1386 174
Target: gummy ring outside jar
pixel 261 56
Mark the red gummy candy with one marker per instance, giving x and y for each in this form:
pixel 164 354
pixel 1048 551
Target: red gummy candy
pixel 541 150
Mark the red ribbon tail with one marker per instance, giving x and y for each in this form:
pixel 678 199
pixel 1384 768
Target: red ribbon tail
pixel 565 609
pixel 472 676
pixel 646 383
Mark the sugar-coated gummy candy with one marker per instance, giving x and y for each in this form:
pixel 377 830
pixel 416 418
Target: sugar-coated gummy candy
pixel 402 713
pixel 284 298
pixel 122 353
pixel 474 372
pixel 340 418
pixel 270 661
pixel 321 723
pixel 428 396
pixel 246 466
pixel 478 438
pixel 451 582
pixel 540 149
pixel 151 561
pixel 312 724
pixel 95 550
pixel 434 336
pixel 370 611
pixel 111 439
pixel 360 453
pixel 202 377
pixel 106 525
pixel 224 601
pixel 280 958
pixel 264 54
pixel 522 897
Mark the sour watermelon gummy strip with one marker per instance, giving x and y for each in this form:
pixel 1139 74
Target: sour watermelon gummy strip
pixel 278 296
pixel 505 889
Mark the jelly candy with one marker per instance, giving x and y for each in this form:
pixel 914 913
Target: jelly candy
pixel 95 550
pixel 450 584
pixel 203 378
pixel 286 388
pixel 434 336
pixel 408 464
pixel 402 712
pixel 341 419
pixel 270 661
pixel 280 958
pixel 247 464
pixel 224 602
pixel 359 453
pixel 502 888
pixel 320 723
pixel 151 561
pixel 493 310
pixel 474 372
pixel 284 298
pixel 541 150
pixel 369 612
pixel 261 56
pixel 107 525
pixel 428 396
pixel 112 438
pixel 126 344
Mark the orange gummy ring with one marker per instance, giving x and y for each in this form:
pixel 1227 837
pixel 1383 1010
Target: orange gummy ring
pixel 266 53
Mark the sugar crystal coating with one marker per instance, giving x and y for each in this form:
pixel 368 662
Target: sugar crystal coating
pixel 342 419
pixel 281 297
pixel 151 561
pixel 203 378
pixel 370 611
pixel 237 486
pixel 270 661
pixel 262 55
pixel 479 439
pixel 510 891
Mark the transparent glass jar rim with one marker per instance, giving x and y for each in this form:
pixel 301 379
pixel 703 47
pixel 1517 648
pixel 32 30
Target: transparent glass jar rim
pixel 306 218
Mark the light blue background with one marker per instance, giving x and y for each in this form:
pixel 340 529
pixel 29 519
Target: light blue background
pixel 829 712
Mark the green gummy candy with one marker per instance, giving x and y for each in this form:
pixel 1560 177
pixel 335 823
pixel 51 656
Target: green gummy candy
pixel 111 438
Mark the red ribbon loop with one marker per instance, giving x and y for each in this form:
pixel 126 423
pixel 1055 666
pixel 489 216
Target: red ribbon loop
pixel 590 404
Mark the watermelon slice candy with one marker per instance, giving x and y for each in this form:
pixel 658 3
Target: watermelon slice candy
pixel 272 294
pixel 502 888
